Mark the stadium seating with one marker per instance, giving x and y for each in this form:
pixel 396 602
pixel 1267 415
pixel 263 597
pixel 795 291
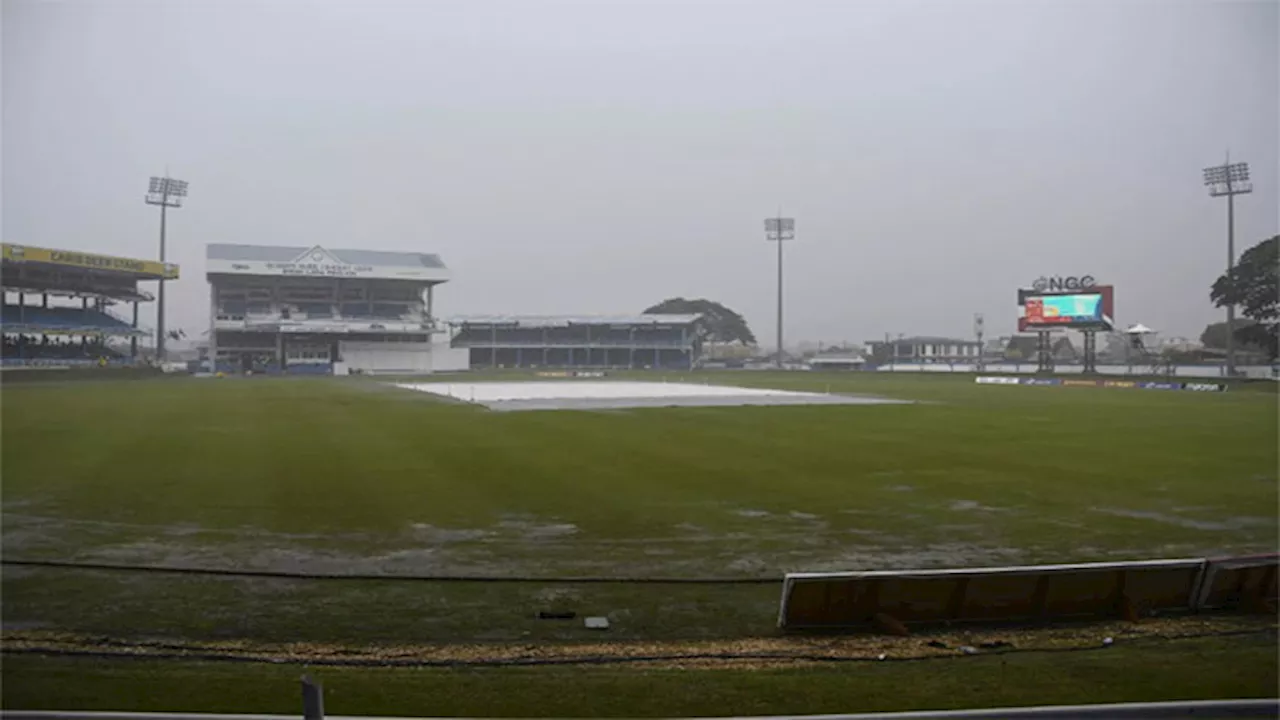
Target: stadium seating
pixel 388 310
pixel 63 319
pixel 316 310
pixel 568 337
pixel 18 349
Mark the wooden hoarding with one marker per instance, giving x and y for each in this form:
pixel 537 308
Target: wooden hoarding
pixel 1020 593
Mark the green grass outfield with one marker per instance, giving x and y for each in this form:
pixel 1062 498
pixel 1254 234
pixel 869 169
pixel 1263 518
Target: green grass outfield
pixel 1237 667
pixel 333 475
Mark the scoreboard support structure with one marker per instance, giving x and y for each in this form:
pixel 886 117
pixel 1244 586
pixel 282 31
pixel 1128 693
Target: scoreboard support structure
pixel 1090 351
pixel 1044 352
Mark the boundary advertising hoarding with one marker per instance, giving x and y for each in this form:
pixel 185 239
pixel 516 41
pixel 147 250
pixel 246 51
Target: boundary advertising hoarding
pixel 1040 593
pixel 1043 592
pixel 1099 383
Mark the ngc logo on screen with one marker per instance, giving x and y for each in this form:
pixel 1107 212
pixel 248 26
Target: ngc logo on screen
pixel 1058 282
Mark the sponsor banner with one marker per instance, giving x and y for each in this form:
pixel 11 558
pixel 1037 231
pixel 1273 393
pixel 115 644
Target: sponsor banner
pixel 553 374
pixel 987 380
pixel 320 263
pixel 70 258
pixel 1121 384
pixel 1204 387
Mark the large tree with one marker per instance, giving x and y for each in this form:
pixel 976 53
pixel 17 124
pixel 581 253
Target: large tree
pixel 1215 334
pixel 719 323
pixel 1254 286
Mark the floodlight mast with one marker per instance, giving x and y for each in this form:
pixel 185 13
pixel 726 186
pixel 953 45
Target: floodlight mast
pixel 1230 180
pixel 167 193
pixel 779 230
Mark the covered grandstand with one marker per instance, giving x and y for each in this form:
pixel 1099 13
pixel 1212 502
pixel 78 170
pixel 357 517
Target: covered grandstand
pixel 67 307
pixel 623 341
pixel 325 311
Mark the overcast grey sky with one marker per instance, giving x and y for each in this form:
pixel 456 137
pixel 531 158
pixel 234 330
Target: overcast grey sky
pixel 597 157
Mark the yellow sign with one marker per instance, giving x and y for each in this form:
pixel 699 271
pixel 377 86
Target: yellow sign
pixel 73 258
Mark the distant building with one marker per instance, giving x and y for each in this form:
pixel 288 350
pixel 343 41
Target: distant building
pixel 925 349
pixel 836 362
pixel 1024 348
pixel 584 341
pixel 728 351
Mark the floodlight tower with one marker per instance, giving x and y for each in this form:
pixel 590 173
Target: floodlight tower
pixel 779 230
pixel 167 193
pixel 979 329
pixel 1230 180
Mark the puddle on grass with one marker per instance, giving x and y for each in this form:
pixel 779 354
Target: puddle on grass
pixel 965 505
pixel 532 531
pixel 1233 523
pixel 925 557
pixel 748 566
pixel 754 543
pixel 439 535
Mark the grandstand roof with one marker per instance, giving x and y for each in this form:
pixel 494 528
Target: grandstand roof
pixel 317 261
pixel 128 268
pixel 567 320
pixel 281 253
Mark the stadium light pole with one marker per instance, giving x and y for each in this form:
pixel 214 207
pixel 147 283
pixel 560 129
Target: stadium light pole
pixel 779 230
pixel 167 193
pixel 1230 180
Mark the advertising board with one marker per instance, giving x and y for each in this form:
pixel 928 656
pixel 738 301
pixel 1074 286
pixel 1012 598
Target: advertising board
pixel 1097 383
pixel 89 261
pixel 995 380
pixel 1001 594
pixel 1204 387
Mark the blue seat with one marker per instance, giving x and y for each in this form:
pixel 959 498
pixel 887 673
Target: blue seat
pixel 61 318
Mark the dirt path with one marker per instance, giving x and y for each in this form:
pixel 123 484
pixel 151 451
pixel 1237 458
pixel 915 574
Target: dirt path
pixel 765 652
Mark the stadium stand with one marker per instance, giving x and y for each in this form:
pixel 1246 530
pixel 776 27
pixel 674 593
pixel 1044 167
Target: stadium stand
pixel 18 318
pixel 58 305
pixel 632 341
pixel 314 310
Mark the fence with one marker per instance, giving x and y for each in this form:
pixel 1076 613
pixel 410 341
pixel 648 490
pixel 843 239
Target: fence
pixel 1036 592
